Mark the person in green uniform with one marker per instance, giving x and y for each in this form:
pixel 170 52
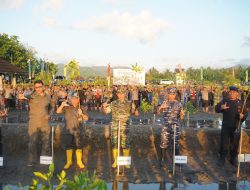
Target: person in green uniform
pixel 121 110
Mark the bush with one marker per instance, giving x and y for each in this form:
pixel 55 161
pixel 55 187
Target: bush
pixel 81 181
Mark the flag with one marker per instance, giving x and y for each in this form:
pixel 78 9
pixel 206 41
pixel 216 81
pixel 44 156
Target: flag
pixel 246 75
pixel 109 70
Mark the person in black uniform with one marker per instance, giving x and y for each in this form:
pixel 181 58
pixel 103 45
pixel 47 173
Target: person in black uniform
pixel 233 116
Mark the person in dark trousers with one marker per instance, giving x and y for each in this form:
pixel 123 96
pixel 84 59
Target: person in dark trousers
pixel 233 116
pixel 74 116
pixel 173 113
pixel 144 94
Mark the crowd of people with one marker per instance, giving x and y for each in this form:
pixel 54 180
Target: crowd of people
pixel 203 98
pixel 75 101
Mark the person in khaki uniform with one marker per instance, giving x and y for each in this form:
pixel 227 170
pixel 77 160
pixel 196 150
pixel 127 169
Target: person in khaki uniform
pixel 121 111
pixel 74 115
pixel 38 122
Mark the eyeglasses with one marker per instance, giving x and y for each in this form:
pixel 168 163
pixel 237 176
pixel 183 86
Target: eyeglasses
pixel 36 87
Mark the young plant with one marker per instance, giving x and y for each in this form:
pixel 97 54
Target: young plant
pixel 145 106
pixel 82 181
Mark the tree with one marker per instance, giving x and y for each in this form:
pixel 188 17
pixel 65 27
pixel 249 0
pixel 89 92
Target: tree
pixel 15 52
pixel 73 69
pixel 152 74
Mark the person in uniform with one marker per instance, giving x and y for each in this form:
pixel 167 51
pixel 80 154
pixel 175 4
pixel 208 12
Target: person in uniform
pixel 74 116
pixel 3 114
pixel 38 122
pixel 173 113
pixel 121 109
pixel 233 115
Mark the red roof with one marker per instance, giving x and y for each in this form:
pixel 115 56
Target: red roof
pixel 6 68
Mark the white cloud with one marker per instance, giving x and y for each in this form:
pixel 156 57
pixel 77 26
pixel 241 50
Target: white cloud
pixel 49 22
pixel 10 4
pixel 247 40
pixel 54 5
pixel 142 27
pixel 57 57
pixel 118 1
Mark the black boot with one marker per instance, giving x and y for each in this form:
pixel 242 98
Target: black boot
pixel 177 151
pixel 234 162
pixel 221 161
pixel 163 155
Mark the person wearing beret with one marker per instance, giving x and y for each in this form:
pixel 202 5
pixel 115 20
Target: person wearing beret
pixel 233 115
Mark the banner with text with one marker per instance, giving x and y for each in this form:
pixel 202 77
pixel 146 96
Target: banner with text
pixel 128 77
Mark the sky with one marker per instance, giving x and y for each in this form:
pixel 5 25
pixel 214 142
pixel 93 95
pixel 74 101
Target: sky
pixel 152 33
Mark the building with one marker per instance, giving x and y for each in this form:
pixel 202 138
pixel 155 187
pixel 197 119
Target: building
pixel 9 72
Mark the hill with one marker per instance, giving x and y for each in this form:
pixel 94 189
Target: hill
pixel 93 71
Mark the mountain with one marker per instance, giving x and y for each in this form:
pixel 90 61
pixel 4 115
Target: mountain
pixel 87 72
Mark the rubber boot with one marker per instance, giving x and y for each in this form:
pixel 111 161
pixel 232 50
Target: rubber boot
pixel 79 158
pixel 115 154
pixel 69 154
pixel 126 152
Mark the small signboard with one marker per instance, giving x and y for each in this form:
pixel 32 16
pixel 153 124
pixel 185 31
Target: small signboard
pixel 181 159
pixel 247 157
pixel 46 160
pixel 1 161
pixel 124 160
pixel 244 157
pixel 241 157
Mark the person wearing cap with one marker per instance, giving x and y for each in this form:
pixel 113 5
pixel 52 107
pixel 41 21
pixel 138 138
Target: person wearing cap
pixel 173 113
pixel 233 115
pixel 38 122
pixel 74 115
pixel 121 110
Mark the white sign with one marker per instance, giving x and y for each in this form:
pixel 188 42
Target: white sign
pixel 46 160
pixel 124 160
pixel 1 161
pixel 247 157
pixel 128 77
pixel 244 157
pixel 181 159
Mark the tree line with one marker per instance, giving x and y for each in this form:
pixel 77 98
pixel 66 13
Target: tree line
pixel 213 75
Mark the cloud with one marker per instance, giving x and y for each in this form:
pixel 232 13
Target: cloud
pixel 53 5
pixel 49 22
pixel 57 57
pixel 10 4
pixel 247 40
pixel 118 1
pixel 142 27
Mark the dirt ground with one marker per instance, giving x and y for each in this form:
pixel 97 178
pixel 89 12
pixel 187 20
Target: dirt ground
pixel 200 145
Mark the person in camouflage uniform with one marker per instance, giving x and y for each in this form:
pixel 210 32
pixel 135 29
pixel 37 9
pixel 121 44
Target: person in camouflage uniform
pixel 173 113
pixel 120 109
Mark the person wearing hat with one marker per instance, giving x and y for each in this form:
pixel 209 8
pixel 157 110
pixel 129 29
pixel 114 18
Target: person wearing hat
pixel 121 110
pixel 233 115
pixel 173 113
pixel 74 115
